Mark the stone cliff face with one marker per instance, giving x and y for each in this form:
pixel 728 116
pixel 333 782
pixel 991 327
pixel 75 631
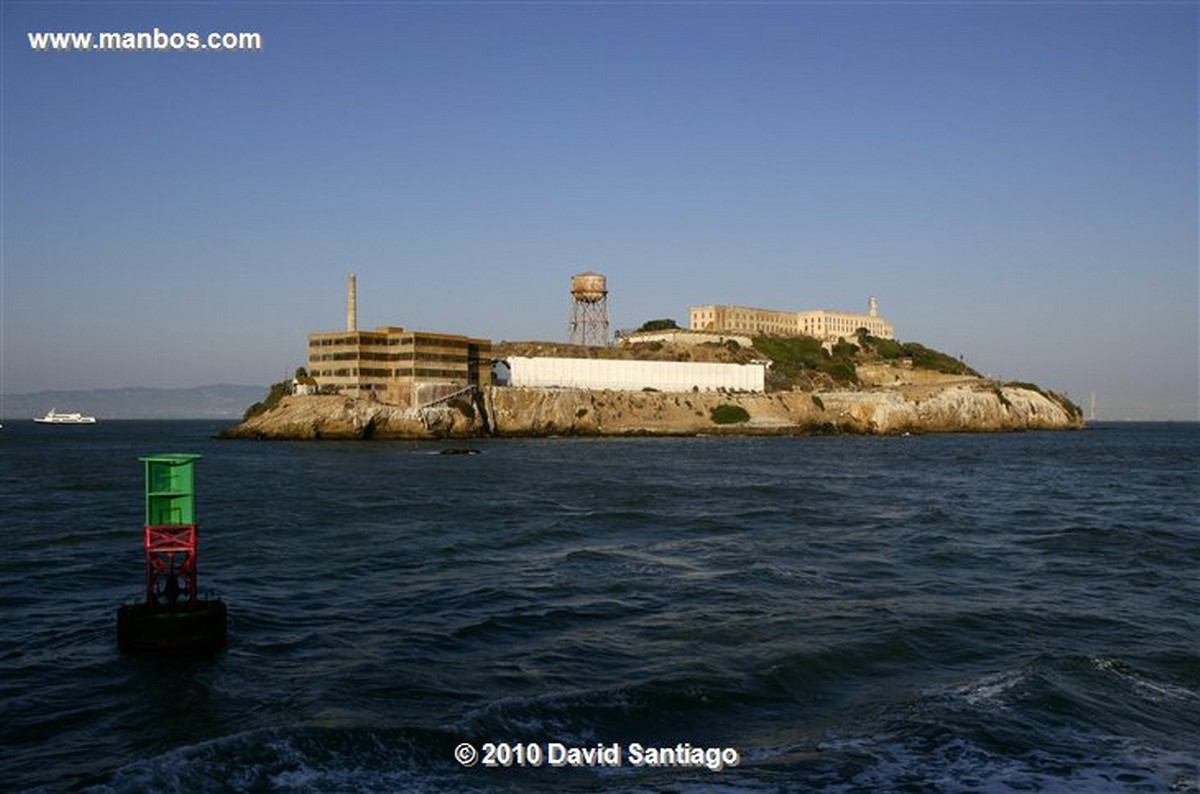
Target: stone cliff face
pixel 954 405
pixel 324 416
pixel 962 407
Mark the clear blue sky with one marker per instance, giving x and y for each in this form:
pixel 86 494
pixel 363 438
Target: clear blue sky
pixel 1017 182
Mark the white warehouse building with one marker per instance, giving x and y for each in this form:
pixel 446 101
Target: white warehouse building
pixel 624 375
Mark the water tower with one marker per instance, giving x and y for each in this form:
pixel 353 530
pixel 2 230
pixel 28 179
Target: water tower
pixel 589 310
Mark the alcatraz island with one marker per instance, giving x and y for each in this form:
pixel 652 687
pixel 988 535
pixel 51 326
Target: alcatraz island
pixel 734 371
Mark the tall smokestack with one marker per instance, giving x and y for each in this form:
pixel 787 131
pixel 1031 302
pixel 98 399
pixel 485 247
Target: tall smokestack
pixel 351 306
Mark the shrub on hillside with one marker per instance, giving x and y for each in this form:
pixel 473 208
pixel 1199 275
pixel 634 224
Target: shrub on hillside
pixel 922 357
pixel 887 349
pixel 277 392
pixel 665 324
pixel 844 349
pixel 928 358
pixel 726 414
pixel 792 356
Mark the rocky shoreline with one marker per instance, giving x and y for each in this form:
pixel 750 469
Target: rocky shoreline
pixel 949 404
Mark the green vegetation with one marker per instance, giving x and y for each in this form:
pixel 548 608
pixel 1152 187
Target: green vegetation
pixel 927 358
pixel 1073 410
pixel 817 401
pixel 844 349
pixel 806 363
pixel 794 357
pixel 922 357
pixel 726 414
pixel 278 392
pixel 888 349
pixel 665 324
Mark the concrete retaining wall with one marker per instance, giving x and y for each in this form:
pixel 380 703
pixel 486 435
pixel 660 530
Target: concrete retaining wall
pixel 669 376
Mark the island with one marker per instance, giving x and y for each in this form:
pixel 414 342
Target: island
pixel 867 385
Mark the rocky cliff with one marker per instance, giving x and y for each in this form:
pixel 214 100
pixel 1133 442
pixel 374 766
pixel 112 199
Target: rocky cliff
pixel 328 416
pixel 944 405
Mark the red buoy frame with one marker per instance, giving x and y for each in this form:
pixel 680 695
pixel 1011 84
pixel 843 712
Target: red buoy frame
pixel 170 566
pixel 173 618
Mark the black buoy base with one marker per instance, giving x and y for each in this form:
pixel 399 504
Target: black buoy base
pixel 198 627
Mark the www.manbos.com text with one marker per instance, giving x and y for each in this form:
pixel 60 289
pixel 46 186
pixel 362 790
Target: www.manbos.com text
pixel 143 41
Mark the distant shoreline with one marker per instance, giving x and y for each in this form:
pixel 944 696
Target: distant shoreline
pixel 221 402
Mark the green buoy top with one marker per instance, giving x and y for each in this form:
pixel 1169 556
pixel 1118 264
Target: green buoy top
pixel 170 489
pixel 172 458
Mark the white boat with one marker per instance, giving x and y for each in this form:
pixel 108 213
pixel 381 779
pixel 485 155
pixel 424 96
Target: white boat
pixel 56 418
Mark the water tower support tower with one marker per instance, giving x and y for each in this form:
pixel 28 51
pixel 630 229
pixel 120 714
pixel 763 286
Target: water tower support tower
pixel 589 310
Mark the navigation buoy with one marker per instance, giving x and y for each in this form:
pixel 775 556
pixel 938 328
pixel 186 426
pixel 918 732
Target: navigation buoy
pixel 173 617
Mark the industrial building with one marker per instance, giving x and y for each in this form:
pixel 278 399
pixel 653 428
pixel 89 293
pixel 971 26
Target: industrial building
pixel 395 366
pixel 620 374
pixel 821 324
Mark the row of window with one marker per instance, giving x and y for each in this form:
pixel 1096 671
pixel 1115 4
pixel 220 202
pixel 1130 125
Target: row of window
pixel 403 372
pixel 458 358
pixel 360 340
pixel 428 372
pixel 374 340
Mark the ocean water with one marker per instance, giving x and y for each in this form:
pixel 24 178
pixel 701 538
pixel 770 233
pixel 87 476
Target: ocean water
pixel 943 613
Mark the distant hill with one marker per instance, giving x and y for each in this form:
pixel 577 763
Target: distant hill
pixel 219 401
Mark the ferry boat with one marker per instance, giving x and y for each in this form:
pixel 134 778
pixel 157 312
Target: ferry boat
pixel 56 418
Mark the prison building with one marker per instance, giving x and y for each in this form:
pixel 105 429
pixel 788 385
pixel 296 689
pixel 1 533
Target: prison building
pixel 821 324
pixel 400 367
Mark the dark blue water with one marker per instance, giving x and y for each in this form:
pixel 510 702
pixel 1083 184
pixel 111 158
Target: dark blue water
pixel 935 613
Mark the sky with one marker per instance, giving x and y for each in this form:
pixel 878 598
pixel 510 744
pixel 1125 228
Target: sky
pixel 1016 182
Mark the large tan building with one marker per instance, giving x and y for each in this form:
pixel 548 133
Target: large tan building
pixel 396 366
pixel 822 324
